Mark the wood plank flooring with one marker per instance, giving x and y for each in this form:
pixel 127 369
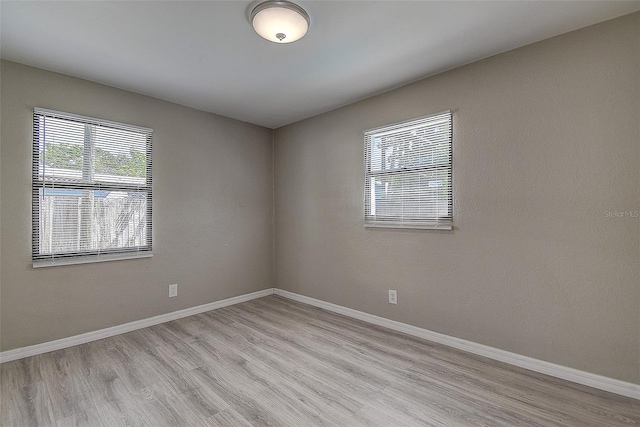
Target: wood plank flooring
pixel 275 362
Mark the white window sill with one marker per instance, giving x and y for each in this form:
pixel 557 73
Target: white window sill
pixel 54 262
pixel 415 226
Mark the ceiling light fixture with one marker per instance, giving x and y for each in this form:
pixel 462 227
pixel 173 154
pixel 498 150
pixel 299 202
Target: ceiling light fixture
pixel 280 21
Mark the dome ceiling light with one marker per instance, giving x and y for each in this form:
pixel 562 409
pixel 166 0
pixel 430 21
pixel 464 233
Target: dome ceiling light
pixel 280 21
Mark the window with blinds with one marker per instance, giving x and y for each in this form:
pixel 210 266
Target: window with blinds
pixel 92 189
pixel 408 174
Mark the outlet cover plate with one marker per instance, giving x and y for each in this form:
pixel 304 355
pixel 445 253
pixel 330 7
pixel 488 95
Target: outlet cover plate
pixel 173 290
pixel 393 296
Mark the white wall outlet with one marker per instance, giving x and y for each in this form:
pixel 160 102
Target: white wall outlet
pixel 393 296
pixel 173 290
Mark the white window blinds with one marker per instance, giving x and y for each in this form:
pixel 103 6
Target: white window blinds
pixel 408 174
pixel 92 189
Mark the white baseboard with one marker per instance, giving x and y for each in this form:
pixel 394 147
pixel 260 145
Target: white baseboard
pixel 585 378
pixel 32 350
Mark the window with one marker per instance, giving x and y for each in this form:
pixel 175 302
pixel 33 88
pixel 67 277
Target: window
pixel 408 174
pixel 91 189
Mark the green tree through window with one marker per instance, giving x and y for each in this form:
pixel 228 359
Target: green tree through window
pixel 69 156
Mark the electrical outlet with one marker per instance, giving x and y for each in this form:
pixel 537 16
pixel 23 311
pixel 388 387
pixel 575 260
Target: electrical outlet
pixel 393 296
pixel 173 290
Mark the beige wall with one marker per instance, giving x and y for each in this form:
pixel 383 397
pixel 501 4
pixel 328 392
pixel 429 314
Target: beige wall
pixel 213 212
pixel 546 139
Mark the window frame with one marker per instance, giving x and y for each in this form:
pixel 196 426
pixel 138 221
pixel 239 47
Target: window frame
pixel 428 223
pixel 38 184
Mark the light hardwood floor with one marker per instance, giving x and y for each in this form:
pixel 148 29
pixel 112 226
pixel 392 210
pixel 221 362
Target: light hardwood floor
pixel 275 362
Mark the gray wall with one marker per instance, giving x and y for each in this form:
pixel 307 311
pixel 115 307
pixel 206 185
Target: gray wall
pixel 546 140
pixel 213 213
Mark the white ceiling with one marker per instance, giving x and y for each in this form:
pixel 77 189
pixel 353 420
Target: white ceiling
pixel 206 55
